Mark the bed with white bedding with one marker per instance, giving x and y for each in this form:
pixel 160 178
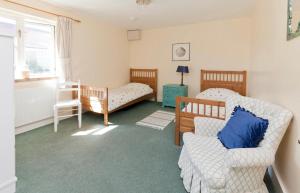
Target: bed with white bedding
pixel 125 94
pixel 142 86
pixel 216 86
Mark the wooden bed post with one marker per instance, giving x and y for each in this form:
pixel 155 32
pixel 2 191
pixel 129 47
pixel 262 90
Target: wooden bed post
pixel 105 118
pixel 105 109
pixel 244 83
pixel 177 126
pixel 130 74
pixel 201 80
pixel 155 90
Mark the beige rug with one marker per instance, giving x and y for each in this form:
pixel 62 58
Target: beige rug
pixel 157 120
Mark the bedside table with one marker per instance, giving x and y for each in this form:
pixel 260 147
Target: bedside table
pixel 171 91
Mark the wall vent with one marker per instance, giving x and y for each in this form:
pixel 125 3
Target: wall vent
pixel 134 35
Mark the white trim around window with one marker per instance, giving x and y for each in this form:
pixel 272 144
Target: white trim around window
pixel 35 49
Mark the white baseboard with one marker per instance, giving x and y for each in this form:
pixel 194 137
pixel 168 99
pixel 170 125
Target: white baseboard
pixel 35 125
pixel 279 179
pixel 9 186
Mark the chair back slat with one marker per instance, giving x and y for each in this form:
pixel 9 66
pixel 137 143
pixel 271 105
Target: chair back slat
pixel 69 86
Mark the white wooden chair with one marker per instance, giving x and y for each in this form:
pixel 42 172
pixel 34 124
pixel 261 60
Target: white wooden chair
pixel 67 107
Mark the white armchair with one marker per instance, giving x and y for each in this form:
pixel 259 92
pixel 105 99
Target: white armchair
pixel 208 167
pixel 208 127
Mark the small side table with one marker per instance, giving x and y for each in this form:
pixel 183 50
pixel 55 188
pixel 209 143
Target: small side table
pixel 171 91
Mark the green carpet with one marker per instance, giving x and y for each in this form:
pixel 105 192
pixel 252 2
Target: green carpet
pixel 123 158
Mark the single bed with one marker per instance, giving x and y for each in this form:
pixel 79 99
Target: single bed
pixel 142 86
pixel 215 86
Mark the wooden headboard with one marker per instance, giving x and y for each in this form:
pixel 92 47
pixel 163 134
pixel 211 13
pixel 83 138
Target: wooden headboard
pixel 233 80
pixel 145 76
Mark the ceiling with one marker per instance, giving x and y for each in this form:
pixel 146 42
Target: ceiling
pixel 159 13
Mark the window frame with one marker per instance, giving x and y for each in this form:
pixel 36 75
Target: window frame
pixel 19 39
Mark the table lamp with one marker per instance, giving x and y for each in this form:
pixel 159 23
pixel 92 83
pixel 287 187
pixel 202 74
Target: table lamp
pixel 182 69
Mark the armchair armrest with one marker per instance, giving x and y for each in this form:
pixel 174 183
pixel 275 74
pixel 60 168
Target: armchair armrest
pixel 249 157
pixel 208 126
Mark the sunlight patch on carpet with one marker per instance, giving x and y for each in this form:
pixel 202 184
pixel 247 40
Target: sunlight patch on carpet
pixel 105 130
pixel 96 131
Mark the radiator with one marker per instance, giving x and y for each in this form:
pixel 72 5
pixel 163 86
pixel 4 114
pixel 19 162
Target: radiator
pixel 34 104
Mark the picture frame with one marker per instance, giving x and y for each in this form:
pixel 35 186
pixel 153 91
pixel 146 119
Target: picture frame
pixel 293 23
pixel 181 52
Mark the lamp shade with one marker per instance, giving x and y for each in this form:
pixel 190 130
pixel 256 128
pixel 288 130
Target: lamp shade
pixel 183 69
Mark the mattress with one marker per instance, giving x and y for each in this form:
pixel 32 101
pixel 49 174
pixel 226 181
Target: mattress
pixel 125 94
pixel 218 94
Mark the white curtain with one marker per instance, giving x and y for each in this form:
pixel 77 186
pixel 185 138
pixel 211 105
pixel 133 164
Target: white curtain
pixel 64 43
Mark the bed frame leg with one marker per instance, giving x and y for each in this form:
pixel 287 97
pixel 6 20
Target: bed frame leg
pixel 106 107
pixel 177 124
pixel 177 137
pixel 106 119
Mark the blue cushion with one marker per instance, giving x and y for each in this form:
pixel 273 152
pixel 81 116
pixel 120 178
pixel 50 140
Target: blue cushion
pixel 243 130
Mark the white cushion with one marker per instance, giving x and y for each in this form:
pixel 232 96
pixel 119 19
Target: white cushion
pixel 207 154
pixel 208 127
pixel 216 94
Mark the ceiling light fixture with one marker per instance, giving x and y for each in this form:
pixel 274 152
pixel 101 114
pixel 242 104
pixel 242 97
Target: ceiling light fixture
pixel 143 2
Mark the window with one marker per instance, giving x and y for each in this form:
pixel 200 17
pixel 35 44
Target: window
pixel 34 46
pixel 7 25
pixel 39 52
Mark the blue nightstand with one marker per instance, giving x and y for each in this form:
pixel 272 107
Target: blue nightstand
pixel 171 91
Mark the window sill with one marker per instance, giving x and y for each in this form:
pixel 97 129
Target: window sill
pixel 36 79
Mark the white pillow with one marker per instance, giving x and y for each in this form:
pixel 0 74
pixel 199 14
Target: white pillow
pixel 216 94
pixel 139 86
pixel 136 85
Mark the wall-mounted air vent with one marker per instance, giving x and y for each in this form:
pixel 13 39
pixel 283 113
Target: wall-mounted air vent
pixel 134 35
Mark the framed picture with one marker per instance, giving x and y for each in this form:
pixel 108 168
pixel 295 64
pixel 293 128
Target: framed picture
pixel 181 52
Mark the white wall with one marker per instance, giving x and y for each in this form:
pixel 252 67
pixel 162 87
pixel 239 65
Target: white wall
pixel 7 134
pixel 99 51
pixel 216 45
pixel 275 77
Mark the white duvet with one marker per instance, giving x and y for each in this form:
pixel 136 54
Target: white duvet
pixel 125 94
pixel 218 94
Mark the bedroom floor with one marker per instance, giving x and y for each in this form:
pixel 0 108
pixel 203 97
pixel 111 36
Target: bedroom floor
pixel 96 159
pixel 121 158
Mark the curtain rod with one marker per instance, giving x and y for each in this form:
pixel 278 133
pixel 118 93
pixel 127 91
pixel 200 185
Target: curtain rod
pixel 51 13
